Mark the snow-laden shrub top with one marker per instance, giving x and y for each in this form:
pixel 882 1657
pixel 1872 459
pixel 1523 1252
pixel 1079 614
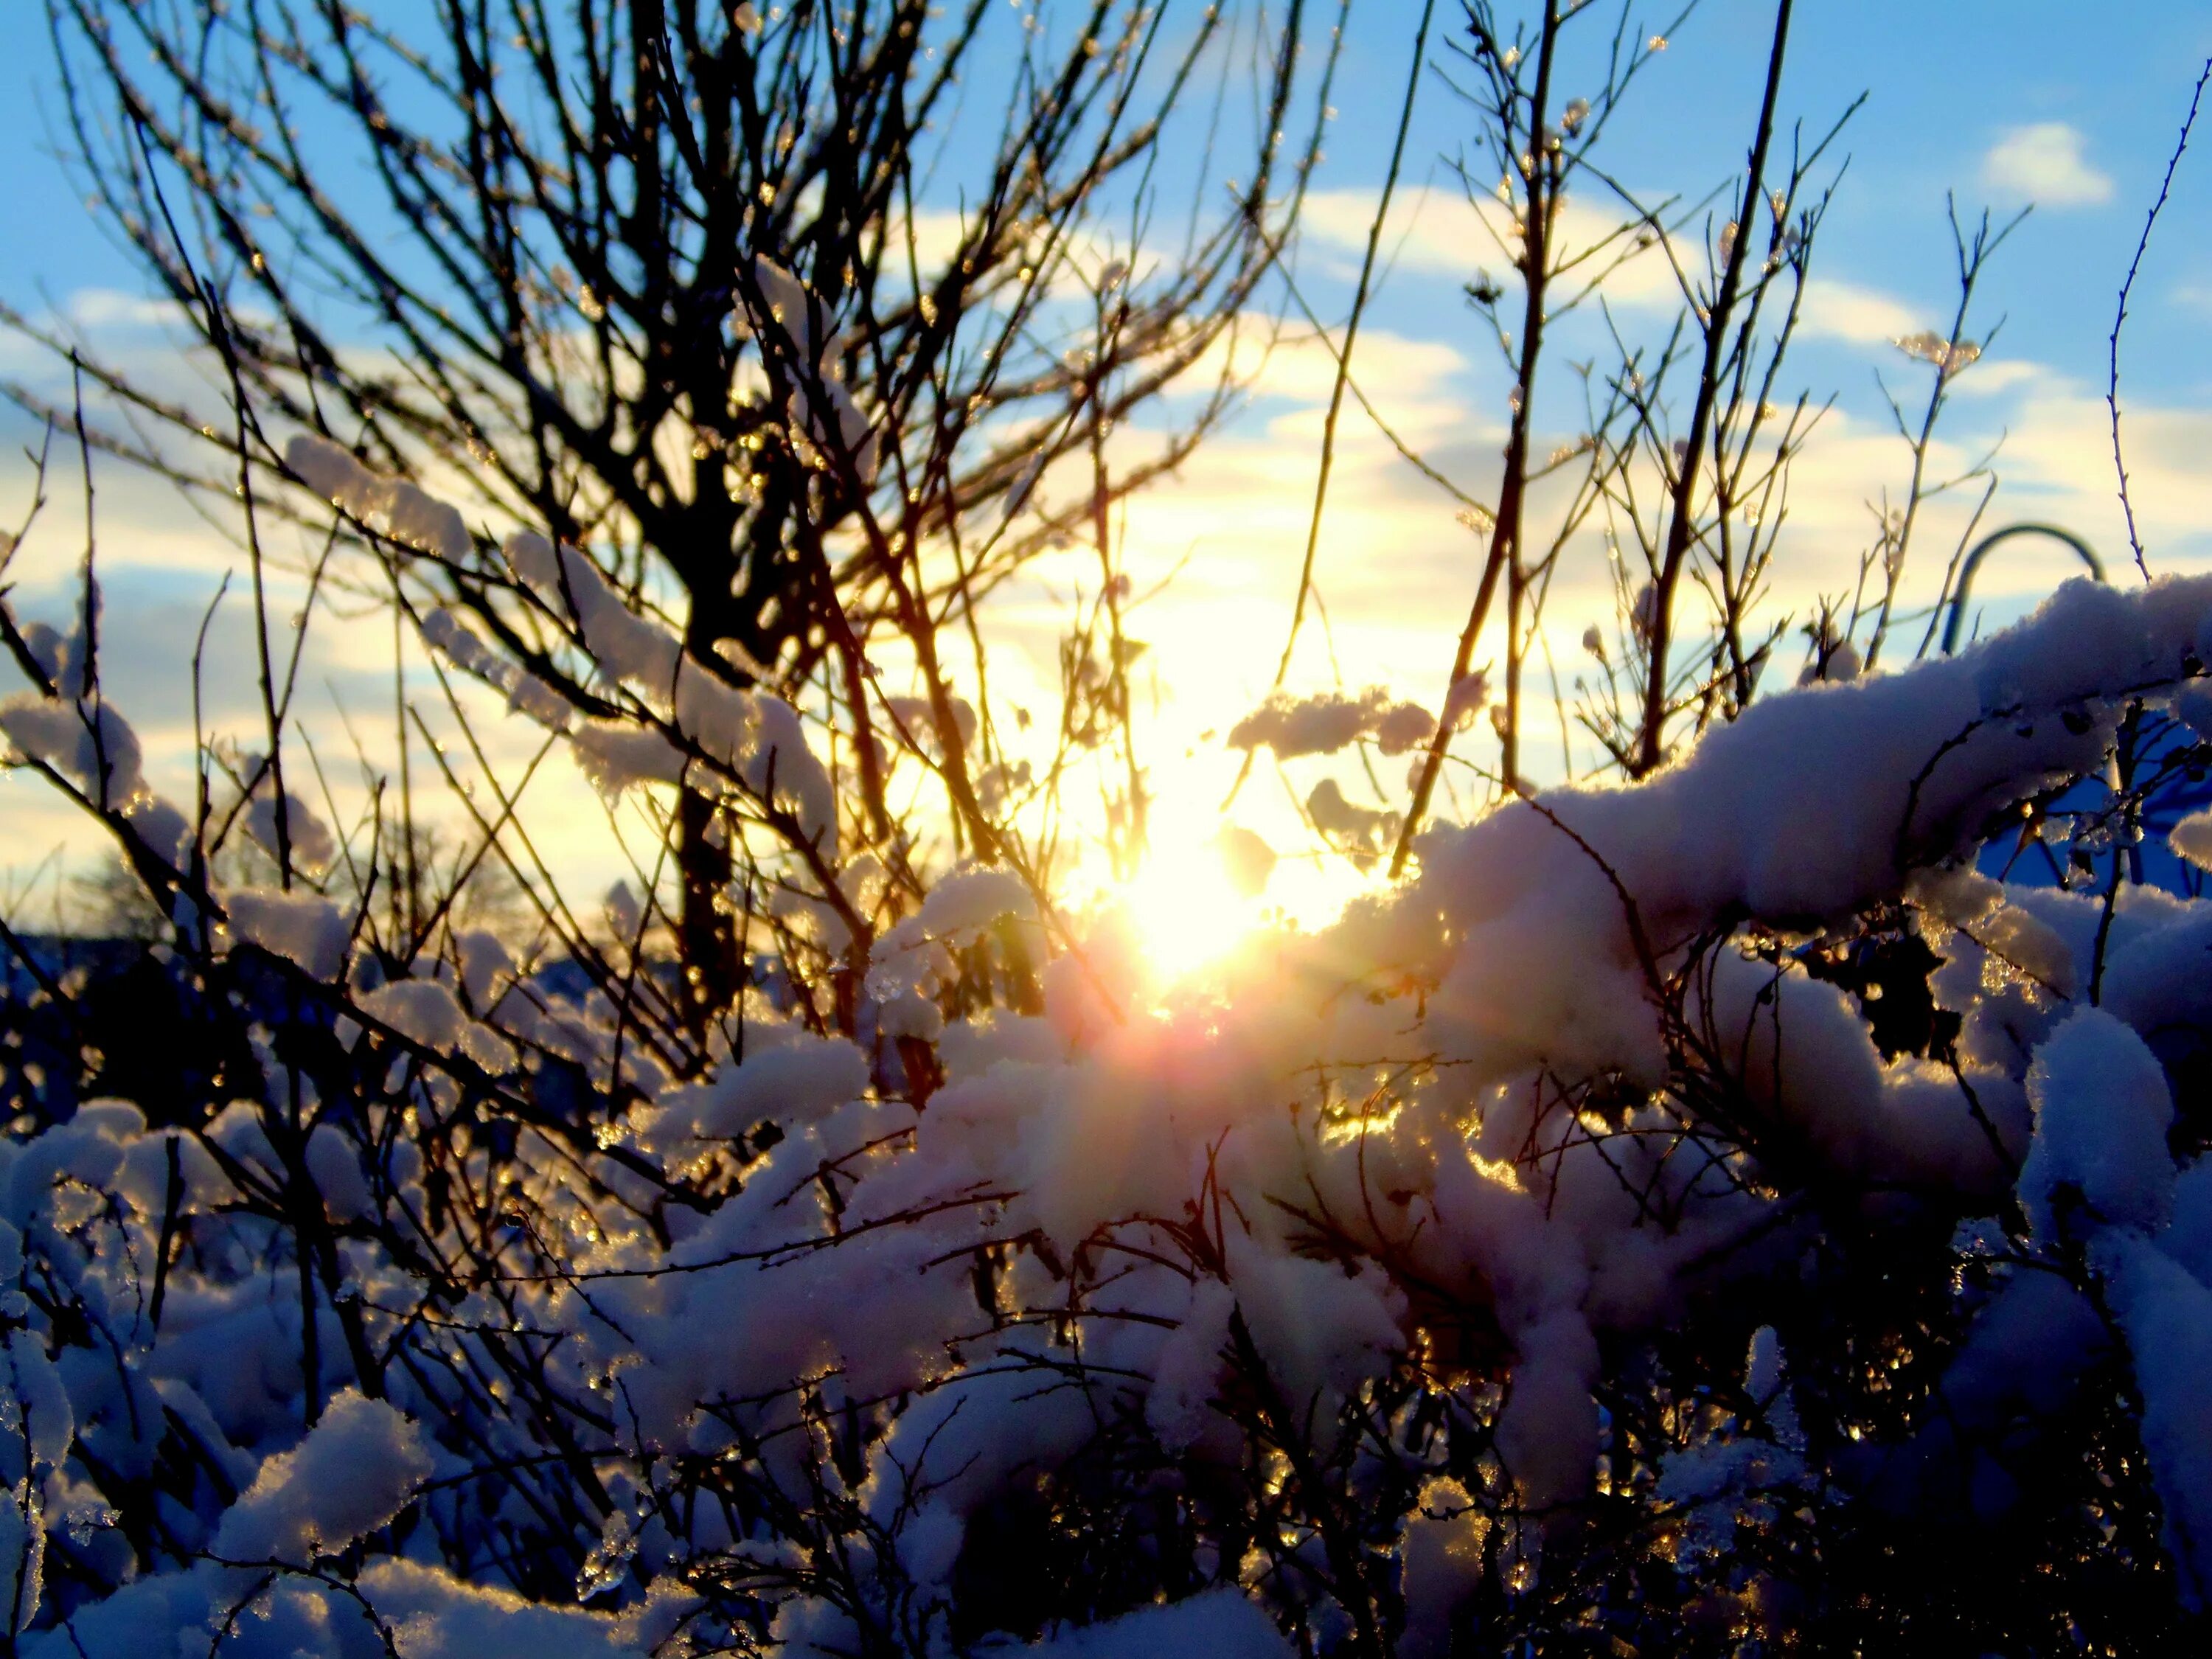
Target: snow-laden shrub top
pixel 1620 1191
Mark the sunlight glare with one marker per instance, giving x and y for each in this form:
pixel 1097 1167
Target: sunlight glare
pixel 1186 909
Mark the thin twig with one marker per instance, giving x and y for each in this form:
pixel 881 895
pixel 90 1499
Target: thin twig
pixel 1343 377
pixel 2120 318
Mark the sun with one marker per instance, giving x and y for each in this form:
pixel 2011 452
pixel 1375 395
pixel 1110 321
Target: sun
pixel 1188 906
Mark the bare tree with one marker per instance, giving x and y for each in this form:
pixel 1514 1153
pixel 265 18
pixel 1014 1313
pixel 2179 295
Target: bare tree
pixel 777 316
pixel 1679 498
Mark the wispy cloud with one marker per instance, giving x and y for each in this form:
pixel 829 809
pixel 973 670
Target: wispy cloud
pixel 1863 316
pixel 2043 163
pixel 1442 231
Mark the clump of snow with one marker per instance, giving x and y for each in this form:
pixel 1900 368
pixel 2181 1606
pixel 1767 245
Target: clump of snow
pixel 1247 859
pixel 304 928
pixel 358 1468
pixel 485 962
pixel 1217 1624
pixel 37 1424
pixel 1191 1366
pixel 625 644
pixel 1548 1434
pixel 617 757
pixel 1444 1565
pixel 88 743
pixel 337 1174
pixel 2102 1108
pixel 821 405
pixel 306 839
pixel 2188 1236
pixel 759 737
pixel 525 693
pixel 2166 1314
pixel 435 1615
pixel 1327 722
pixel 1361 831
pixel 1468 693
pixel 800 1082
pixel 968 901
pixel 2191 837
pixel 402 509
pixel 423 1010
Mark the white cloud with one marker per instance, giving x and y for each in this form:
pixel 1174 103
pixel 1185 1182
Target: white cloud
pixel 1396 570
pixel 108 307
pixel 1844 311
pixel 1441 231
pixel 2043 163
pixel 1991 376
pixel 938 234
pixel 1416 383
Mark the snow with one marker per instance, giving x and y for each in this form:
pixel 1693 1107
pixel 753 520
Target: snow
pixel 525 692
pixel 627 647
pixel 1570 1081
pixel 331 470
pixel 800 1082
pixel 616 756
pixel 2166 1314
pixel 2026 1349
pixel 2191 837
pixel 1548 1434
pixel 2102 1109
pixel 969 901
pixel 1320 1329
pixel 426 1613
pixel 1213 1624
pixel 2188 1236
pixel 1189 1369
pixel 89 743
pixel 407 514
pixel 76 730
pixel 423 1010
pixel 1444 1565
pixel 1249 861
pixel 485 963
pixel 356 1469
pixel 144 1176
pixel 337 1174
pixel 433 1615
pixel 35 1411
pixel 757 737
pixel 1323 724
pixel 796 312
pixel 1364 829
pixel 304 928
pixel 307 840
pixel 1466 699
pixel 821 405
pixel 760 736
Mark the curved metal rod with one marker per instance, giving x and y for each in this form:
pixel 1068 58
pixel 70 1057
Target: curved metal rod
pixel 1981 549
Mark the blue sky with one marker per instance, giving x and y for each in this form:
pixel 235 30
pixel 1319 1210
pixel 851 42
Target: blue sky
pixel 1945 82
pixel 2000 103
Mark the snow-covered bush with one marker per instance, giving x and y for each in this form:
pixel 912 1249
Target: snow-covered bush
pixel 1763 1207
pixel 1704 1215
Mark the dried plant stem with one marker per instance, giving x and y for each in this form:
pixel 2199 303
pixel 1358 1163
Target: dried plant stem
pixel 1681 522
pixel 2120 316
pixel 1505 532
pixel 1343 378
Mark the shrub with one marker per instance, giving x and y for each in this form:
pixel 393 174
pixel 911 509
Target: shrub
pixel 1704 1215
